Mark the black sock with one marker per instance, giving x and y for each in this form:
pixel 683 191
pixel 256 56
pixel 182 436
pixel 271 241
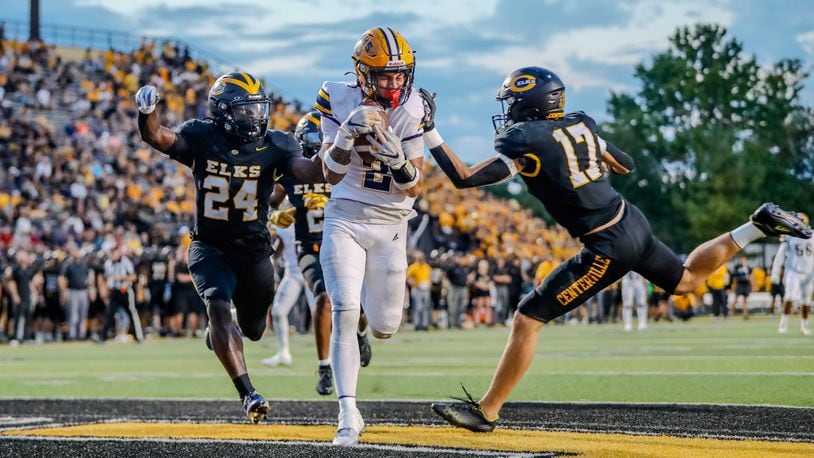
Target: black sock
pixel 243 385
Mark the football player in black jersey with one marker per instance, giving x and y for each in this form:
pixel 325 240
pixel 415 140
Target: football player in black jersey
pixel 233 156
pixel 308 203
pixel 563 161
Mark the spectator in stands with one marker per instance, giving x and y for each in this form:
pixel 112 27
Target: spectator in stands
pixel 717 289
pixel 457 274
pixel 75 277
pixel 482 286
pixel 418 279
pixel 501 276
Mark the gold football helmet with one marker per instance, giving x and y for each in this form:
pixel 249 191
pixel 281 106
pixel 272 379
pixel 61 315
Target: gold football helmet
pixel 803 217
pixel 381 50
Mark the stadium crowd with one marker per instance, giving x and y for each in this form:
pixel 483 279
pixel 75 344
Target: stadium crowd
pixel 94 225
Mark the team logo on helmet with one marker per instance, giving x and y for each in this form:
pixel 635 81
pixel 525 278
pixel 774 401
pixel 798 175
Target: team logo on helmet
pixel 522 83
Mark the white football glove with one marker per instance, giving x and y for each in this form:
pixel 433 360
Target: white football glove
pixel 387 147
pixel 359 122
pixel 146 98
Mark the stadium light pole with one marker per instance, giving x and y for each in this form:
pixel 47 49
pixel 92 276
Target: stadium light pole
pixel 34 22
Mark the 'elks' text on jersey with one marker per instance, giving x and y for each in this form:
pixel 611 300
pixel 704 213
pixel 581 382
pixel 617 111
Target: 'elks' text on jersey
pixel 562 169
pixel 233 183
pixel 308 223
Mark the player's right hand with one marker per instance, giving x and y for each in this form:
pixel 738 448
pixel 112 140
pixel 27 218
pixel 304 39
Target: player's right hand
pixel 314 201
pixel 146 98
pixel 283 218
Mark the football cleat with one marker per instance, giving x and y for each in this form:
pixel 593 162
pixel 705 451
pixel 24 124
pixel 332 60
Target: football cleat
pixel 280 359
pixel 466 414
pixel 256 407
pixel 774 221
pixel 351 426
pixel 365 352
pixel 325 384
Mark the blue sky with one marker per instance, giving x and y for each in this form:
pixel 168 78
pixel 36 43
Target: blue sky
pixel 464 49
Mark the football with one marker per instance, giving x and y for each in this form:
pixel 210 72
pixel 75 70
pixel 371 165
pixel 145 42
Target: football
pixel 362 145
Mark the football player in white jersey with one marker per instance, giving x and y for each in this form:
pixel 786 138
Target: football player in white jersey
pixel 291 286
pixel 634 294
pixel 375 171
pixel 797 257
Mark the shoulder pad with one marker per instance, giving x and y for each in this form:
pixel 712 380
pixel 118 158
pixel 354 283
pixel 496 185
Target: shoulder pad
pixel 511 141
pixel 194 126
pixel 414 106
pixel 284 141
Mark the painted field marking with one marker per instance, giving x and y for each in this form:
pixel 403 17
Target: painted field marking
pixel 506 440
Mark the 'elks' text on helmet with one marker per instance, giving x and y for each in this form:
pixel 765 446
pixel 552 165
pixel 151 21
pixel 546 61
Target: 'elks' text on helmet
pixel 239 106
pixel 384 50
pixel 530 93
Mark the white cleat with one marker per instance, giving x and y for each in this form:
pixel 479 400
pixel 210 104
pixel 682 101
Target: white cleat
pixel 784 324
pixel 805 331
pixel 643 328
pixel 280 359
pixel 351 426
pixel 628 328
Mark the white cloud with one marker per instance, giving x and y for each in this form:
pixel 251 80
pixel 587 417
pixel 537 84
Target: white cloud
pixel 648 29
pixel 284 65
pixel 806 40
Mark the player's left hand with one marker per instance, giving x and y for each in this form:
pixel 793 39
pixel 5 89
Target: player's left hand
pixel 314 201
pixel 428 98
pixel 387 147
pixel 283 218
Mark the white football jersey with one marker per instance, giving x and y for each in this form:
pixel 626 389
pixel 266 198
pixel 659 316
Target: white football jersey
pixel 370 184
pixel 796 255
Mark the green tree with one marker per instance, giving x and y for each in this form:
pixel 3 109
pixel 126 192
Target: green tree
pixel 714 134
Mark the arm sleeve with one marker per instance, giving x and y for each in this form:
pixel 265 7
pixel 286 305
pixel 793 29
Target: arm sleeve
pixel 289 148
pixel 621 157
pixel 498 169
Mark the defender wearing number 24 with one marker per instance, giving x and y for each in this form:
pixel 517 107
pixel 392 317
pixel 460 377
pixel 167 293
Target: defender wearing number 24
pixel 233 157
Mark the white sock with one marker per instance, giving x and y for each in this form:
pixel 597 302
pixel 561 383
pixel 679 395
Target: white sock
pixel 324 362
pixel 280 324
pixel 804 323
pixel 746 234
pixel 347 403
pixel 627 316
pixel 641 315
pixel 345 353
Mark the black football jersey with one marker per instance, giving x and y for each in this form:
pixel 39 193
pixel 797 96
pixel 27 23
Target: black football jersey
pixel 562 169
pixel 308 223
pixel 233 184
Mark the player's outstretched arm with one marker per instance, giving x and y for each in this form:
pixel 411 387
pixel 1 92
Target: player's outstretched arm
pixel 489 171
pixel 309 170
pixel 149 125
pixel 618 161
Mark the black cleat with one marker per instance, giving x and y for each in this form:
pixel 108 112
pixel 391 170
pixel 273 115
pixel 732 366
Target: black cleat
pixel 256 407
pixel 466 414
pixel 325 384
pixel 773 220
pixel 365 352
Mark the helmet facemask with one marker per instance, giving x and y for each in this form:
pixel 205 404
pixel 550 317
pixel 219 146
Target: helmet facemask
pixel 247 121
pixel 388 98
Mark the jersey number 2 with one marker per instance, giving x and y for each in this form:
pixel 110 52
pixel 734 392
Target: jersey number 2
pixel 217 194
pixel 580 134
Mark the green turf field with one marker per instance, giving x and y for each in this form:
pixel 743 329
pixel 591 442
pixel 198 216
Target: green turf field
pixel 702 361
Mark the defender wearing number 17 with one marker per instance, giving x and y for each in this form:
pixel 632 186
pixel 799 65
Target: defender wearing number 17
pixel 233 158
pixel 562 160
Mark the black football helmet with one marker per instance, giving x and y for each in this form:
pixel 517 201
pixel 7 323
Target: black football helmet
pixel 239 106
pixel 309 134
pixel 530 93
